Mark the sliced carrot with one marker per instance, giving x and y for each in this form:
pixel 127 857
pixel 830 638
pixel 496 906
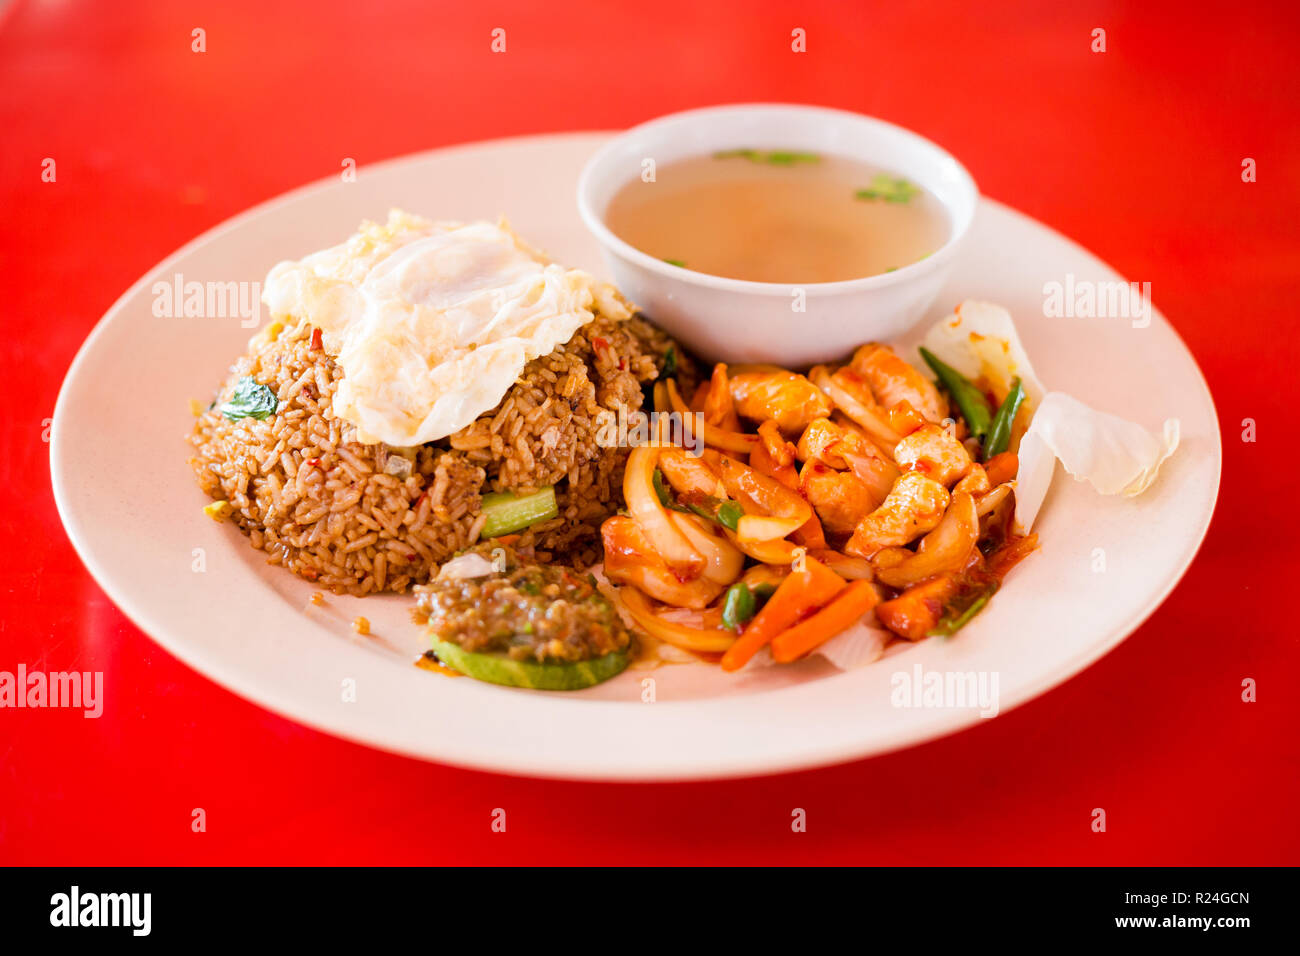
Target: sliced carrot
pixel 709 434
pixel 697 400
pixel 810 534
pixel 845 565
pixel 719 408
pixel 801 592
pixel 1012 553
pixel 1002 467
pixel 781 451
pixel 917 610
pixel 843 611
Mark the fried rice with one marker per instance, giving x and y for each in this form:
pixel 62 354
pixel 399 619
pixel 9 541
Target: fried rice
pixel 361 519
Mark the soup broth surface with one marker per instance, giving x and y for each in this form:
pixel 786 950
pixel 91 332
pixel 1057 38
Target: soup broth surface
pixel 779 216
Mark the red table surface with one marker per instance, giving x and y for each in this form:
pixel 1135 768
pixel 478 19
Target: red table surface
pixel 1135 152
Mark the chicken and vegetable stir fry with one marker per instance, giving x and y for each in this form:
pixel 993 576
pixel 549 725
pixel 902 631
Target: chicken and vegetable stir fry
pixel 857 493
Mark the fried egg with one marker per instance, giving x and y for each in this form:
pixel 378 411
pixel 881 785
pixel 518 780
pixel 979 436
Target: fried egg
pixel 432 322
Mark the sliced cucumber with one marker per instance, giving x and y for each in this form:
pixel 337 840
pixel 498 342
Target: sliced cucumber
pixel 500 669
pixel 507 512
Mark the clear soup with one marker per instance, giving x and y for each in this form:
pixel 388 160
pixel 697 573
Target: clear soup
pixel 779 216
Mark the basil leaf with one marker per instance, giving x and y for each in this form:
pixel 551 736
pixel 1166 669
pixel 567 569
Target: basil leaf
pixel 250 400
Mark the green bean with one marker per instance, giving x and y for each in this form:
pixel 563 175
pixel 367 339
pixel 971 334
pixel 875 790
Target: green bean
pixel 737 606
pixel 959 613
pixel 729 515
pixel 970 400
pixel 661 490
pixel 1000 431
pixel 726 513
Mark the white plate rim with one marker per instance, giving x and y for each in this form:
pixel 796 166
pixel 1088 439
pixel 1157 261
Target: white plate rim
pixel 814 755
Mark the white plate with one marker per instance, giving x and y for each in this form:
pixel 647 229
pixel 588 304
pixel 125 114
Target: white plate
pixel 132 509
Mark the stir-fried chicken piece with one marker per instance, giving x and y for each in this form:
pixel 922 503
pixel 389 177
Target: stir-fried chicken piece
pixel 945 549
pixel 784 397
pixel 689 475
pixel 892 381
pixel 974 482
pixel 842 445
pixel 913 507
pixel 933 451
pixel 840 498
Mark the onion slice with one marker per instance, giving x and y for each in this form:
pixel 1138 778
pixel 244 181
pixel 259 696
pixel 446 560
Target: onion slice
pixel 786 510
pixel 845 565
pixel 709 434
pixel 857 411
pixel 651 516
pixel 707 640
pixel 778 552
pixel 723 562
pixel 943 550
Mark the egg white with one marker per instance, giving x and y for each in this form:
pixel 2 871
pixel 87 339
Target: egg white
pixel 432 322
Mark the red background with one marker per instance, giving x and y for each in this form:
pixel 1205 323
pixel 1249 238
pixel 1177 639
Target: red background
pixel 1136 153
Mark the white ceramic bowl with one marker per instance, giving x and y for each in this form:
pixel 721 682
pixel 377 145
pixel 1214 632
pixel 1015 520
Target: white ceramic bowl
pixel 742 321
